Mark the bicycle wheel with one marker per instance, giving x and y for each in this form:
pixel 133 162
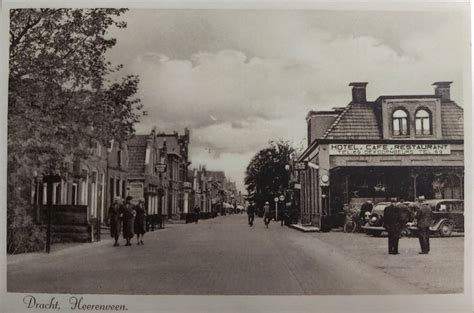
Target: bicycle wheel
pixel 350 227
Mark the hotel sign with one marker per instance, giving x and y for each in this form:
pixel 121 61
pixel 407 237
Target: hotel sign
pixel 389 149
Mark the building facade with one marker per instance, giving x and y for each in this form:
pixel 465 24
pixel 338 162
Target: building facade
pixel 396 146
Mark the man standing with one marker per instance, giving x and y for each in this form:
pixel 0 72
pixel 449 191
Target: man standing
pixel 423 217
pixel 196 214
pixel 251 213
pixel 266 214
pixel 392 221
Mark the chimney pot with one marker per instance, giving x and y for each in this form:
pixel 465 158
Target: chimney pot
pixel 443 89
pixel 359 92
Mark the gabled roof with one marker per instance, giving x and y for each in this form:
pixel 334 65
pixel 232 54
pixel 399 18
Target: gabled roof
pixel 136 153
pixel 357 121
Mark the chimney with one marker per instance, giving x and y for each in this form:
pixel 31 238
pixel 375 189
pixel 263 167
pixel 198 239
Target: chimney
pixel 358 92
pixel 442 89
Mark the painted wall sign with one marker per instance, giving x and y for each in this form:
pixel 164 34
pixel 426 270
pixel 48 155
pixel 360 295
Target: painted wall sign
pixel 389 149
pixel 135 190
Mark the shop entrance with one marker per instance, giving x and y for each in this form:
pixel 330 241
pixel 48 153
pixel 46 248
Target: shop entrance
pixel 378 183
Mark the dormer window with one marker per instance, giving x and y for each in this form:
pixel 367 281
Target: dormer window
pixel 400 123
pixel 423 122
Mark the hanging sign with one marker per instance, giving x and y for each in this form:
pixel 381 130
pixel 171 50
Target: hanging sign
pixel 389 149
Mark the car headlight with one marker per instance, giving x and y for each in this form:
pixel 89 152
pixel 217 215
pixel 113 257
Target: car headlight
pixel 373 219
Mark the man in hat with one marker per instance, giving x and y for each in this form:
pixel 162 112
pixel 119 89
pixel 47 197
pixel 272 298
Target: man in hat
pixel 392 222
pixel 266 213
pixel 115 219
pixel 424 218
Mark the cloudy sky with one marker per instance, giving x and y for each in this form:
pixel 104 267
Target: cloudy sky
pixel 239 78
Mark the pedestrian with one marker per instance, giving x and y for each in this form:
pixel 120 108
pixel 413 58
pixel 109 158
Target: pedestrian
pixel 284 214
pixel 140 221
pixel 424 218
pixel 392 222
pixel 115 219
pixel 405 216
pixel 128 220
pixel 266 214
pixel 196 214
pixel 251 213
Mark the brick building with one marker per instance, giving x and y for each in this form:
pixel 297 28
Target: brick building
pixel 396 146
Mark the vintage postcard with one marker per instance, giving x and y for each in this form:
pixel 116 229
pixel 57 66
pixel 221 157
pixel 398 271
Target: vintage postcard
pixel 237 157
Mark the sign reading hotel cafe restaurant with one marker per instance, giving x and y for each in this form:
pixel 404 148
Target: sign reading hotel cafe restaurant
pixel 399 146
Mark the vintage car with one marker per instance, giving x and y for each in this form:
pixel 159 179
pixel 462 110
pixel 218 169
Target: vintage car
pixel 374 224
pixel 448 216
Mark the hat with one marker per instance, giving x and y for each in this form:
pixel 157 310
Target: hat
pixel 421 198
pixel 141 200
pixel 266 202
pixel 393 199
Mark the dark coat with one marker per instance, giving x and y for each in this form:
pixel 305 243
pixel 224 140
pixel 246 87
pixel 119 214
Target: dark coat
pixel 140 220
pixel 405 214
pixel 392 219
pixel 424 215
pixel 115 219
pixel 251 210
pixel 128 221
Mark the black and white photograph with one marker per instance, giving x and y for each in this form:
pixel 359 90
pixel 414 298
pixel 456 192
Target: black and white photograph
pixel 234 151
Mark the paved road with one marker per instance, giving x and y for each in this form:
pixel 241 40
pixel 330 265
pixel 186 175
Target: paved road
pixel 222 256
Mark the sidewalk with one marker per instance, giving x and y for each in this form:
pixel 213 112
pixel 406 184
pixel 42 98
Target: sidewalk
pixel 441 271
pixel 59 249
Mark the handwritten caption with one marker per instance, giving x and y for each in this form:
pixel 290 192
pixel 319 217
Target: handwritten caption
pixel 74 304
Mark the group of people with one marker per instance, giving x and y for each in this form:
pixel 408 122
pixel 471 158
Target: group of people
pixel 129 219
pixel 267 217
pixel 396 216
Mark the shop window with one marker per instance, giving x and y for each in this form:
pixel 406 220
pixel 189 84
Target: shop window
pixel 400 123
pixel 423 122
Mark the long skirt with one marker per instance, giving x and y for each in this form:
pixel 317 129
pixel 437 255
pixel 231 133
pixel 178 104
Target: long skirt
pixel 128 228
pixel 115 227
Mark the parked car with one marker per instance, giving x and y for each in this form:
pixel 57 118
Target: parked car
pixel 448 216
pixel 375 224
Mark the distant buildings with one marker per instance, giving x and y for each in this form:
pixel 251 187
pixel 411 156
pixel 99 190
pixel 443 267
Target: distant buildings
pixel 153 167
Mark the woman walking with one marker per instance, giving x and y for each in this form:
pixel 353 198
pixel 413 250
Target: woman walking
pixel 266 214
pixel 140 221
pixel 115 219
pixel 128 221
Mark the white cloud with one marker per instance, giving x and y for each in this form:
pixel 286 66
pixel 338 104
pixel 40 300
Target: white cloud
pixel 269 71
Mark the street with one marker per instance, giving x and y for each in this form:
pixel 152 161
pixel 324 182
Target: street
pixel 224 256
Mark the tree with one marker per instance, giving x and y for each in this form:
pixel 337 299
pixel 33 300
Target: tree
pixel 61 102
pixel 266 176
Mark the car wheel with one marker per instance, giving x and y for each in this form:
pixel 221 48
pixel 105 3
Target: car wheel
pixel 446 229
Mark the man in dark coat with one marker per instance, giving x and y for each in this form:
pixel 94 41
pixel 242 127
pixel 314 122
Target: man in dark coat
pixel 196 214
pixel 392 222
pixel 251 213
pixel 115 219
pixel 424 219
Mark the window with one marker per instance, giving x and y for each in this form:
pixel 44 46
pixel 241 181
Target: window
pixel 400 123
pixel 423 122
pixel 119 158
